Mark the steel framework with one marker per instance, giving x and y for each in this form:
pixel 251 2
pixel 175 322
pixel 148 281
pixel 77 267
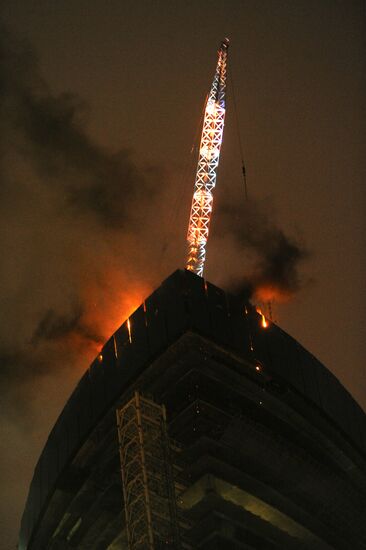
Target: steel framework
pixel 208 160
pixel 147 477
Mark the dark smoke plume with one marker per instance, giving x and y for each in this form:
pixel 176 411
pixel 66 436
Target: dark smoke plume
pixel 269 260
pixel 55 327
pixel 78 253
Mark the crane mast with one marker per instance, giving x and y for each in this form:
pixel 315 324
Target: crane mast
pixel 208 160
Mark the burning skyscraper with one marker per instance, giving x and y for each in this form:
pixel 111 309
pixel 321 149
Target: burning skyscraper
pixel 260 445
pixel 201 424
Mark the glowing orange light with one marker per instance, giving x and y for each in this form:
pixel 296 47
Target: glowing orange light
pixel 108 305
pixel 264 321
pixel 115 347
pixel 100 358
pixel 257 368
pixel 129 330
pixel 268 293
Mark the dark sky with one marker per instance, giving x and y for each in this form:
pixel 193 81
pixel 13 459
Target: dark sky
pixel 100 103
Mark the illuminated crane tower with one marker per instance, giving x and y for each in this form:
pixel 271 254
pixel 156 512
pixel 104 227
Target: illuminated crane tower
pixel 208 160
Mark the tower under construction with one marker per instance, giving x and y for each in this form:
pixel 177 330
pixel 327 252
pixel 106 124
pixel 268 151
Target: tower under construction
pixel 229 434
pixel 201 424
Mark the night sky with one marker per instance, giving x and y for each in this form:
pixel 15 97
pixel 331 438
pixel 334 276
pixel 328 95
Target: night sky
pixel 100 104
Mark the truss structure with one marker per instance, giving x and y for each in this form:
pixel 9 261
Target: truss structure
pixel 147 477
pixel 208 160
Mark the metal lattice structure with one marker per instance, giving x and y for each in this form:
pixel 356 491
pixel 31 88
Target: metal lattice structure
pixel 147 477
pixel 208 160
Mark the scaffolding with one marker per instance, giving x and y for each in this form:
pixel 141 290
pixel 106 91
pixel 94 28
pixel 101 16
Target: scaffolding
pixel 147 476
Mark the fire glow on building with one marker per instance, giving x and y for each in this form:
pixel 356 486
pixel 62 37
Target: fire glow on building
pixel 201 424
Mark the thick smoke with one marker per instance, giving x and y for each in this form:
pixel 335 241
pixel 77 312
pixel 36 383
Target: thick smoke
pixel 72 215
pixel 268 260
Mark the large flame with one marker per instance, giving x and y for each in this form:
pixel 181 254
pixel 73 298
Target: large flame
pixel 264 322
pixel 106 308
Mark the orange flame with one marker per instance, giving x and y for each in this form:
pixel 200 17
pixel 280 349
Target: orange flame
pixel 106 307
pixel 272 294
pixel 264 321
pixel 129 330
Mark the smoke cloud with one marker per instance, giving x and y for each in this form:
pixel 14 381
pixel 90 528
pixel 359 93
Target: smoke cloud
pixel 71 214
pixel 268 261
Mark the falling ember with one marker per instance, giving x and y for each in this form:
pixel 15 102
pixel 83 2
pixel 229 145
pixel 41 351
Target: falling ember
pixel 115 346
pixel 129 330
pixel 264 321
pixel 100 358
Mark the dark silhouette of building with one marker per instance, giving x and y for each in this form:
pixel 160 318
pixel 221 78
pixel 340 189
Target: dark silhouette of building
pixel 268 448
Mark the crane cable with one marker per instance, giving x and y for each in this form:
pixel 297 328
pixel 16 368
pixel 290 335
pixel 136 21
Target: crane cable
pixel 244 173
pixel 269 303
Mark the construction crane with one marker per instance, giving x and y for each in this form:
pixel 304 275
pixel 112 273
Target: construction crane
pixel 208 160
